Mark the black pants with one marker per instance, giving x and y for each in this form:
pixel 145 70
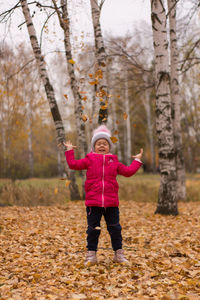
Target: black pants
pixel 111 216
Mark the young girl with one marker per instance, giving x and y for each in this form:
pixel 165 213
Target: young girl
pixel 101 190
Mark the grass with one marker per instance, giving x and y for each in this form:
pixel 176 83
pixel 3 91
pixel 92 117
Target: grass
pixel 52 191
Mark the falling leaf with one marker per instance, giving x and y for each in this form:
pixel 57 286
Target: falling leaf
pixel 65 95
pixel 117 122
pixel 102 64
pixel 114 139
pixel 82 107
pixel 93 82
pixel 116 132
pixel 67 182
pixel 71 61
pixel 134 125
pixel 125 116
pixel 98 74
pixel 84 98
pixel 82 92
pixel 104 107
pixel 84 118
pixel 55 191
pixel 90 75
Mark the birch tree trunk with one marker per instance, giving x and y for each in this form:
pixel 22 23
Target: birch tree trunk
pixel 30 148
pixel 128 122
pixel 100 54
pixel 74 193
pixel 65 24
pixel 167 199
pixel 147 106
pixel 80 125
pixel 176 99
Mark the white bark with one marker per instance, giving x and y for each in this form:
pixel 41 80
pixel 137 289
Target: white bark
pixel 128 122
pixel 167 200
pixel 176 99
pixel 65 25
pixel 29 128
pixel 147 106
pixel 74 193
pixel 100 55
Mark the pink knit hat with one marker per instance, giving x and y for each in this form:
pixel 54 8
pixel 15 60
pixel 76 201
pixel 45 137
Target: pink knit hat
pixel 102 132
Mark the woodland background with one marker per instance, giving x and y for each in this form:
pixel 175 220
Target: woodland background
pixel 28 138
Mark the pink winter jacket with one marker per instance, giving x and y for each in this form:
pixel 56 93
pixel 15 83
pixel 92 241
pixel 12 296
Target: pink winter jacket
pixel 101 187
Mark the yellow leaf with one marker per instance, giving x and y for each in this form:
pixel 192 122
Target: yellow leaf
pixel 125 116
pixel 93 82
pixel 114 139
pixel 71 61
pixel 84 98
pixel 65 96
pixel 84 118
pixel 103 107
pixel 67 182
pixel 55 191
pixel 90 75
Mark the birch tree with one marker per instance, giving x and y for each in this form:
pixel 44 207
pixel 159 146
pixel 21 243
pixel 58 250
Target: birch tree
pixel 100 54
pixel 176 99
pixel 167 199
pixel 65 25
pixel 147 107
pixel 49 90
pixel 127 117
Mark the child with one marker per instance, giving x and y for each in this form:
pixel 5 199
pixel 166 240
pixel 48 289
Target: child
pixel 101 189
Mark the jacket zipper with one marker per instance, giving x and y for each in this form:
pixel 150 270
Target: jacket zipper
pixel 103 181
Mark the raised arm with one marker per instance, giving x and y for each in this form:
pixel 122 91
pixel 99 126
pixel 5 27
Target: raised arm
pixel 73 163
pixel 76 164
pixel 128 171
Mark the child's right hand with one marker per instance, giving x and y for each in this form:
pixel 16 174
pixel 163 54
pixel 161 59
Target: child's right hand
pixel 69 145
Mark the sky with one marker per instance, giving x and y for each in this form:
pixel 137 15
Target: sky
pixel 117 18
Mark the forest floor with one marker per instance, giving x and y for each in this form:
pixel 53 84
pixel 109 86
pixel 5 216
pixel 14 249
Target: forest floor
pixel 42 251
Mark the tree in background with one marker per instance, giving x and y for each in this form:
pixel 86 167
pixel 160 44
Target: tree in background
pixel 176 100
pixel 49 92
pixel 100 55
pixel 167 199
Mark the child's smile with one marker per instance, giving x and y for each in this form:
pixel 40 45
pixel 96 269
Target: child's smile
pixel 102 146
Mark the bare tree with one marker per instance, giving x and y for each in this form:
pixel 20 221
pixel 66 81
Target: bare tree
pixel 49 91
pixel 176 100
pixel 100 54
pixel 167 200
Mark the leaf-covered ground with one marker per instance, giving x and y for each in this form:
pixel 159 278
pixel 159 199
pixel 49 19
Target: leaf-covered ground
pixel 42 252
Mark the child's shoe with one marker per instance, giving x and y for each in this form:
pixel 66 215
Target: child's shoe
pixel 119 257
pixel 91 258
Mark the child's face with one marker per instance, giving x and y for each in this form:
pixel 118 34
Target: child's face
pixel 101 146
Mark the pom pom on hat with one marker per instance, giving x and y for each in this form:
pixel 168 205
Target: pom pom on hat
pixel 102 132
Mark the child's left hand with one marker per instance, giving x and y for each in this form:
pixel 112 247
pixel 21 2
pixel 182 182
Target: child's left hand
pixel 139 156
